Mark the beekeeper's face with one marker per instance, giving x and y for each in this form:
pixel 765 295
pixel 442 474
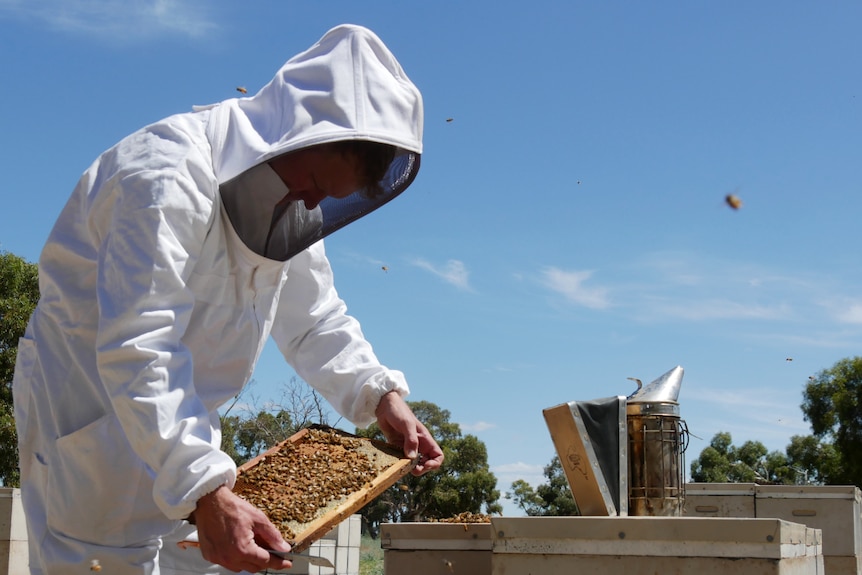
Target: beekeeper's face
pixel 314 173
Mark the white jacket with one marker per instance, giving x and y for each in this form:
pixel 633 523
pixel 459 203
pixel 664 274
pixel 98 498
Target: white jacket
pixel 153 313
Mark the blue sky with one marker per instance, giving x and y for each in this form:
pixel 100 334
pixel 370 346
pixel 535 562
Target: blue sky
pixel 568 228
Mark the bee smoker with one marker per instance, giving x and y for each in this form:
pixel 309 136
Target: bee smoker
pixel 657 440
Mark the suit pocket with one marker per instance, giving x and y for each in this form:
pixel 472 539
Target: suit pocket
pixel 100 491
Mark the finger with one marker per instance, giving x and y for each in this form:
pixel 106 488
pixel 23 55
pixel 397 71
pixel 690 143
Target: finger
pixel 429 448
pixel 434 463
pixel 393 437
pixel 268 536
pixel 411 445
pixel 251 563
pixel 410 438
pixel 260 558
pixel 425 465
pixel 276 562
pixel 431 454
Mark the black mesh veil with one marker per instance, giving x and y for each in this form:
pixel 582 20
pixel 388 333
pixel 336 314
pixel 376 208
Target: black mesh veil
pixel 279 230
pixel 337 213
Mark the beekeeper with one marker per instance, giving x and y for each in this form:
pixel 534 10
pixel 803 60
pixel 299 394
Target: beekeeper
pixel 182 249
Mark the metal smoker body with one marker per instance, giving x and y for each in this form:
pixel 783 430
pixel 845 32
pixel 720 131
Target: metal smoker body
pixel 657 439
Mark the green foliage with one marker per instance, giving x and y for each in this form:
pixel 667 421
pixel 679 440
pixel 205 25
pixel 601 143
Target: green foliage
pixel 246 438
pixel 463 484
pixel 807 461
pixel 553 498
pixel 815 462
pixel 19 293
pixel 714 464
pixel 556 495
pixel 525 497
pixel 832 404
pixel 254 430
pixel 722 462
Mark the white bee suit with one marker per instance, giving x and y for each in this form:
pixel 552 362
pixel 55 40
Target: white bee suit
pixel 155 308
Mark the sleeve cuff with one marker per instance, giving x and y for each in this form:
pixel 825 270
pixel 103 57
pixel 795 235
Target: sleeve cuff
pixel 373 391
pixel 185 508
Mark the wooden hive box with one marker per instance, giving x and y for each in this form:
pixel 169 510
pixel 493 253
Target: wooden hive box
pixel 436 548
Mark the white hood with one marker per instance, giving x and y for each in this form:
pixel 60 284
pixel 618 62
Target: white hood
pixel 348 86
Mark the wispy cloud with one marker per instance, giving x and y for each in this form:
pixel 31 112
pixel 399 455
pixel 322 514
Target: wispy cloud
pixel 845 310
pixel 822 336
pixel 696 287
pixel 477 427
pixel 114 20
pixel 453 272
pixel 753 413
pixel 510 367
pixel 519 468
pixel 693 287
pixel 715 308
pixel 508 473
pixel 570 284
pixel 757 398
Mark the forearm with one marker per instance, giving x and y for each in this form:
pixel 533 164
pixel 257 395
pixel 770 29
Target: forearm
pixel 326 346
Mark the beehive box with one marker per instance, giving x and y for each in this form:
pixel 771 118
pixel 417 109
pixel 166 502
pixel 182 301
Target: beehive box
pixel 436 548
pixel 14 556
pixel 348 540
pixel 834 509
pixel 719 500
pixel 317 478
pixel 341 545
pixel 648 545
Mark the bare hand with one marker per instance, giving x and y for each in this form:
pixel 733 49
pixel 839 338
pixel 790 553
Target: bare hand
pixel 400 427
pixel 235 534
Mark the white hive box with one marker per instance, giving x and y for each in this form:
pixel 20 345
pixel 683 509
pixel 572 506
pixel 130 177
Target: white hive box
pixel 14 556
pixel 322 548
pixel 436 548
pixel 340 545
pixel 649 545
pixel 834 509
pixel 719 500
pixel 347 537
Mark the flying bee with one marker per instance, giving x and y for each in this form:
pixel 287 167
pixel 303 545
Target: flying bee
pixel 449 565
pixel 241 90
pixel 449 120
pixel 385 268
pixel 788 359
pixel 95 566
pixel 733 201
